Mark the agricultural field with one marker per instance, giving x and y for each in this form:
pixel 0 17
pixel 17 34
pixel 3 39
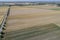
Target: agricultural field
pixel 50 7
pixel 33 23
pixel 42 6
pixel 3 11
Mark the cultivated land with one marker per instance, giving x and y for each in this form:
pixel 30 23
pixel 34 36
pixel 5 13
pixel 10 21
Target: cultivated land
pixel 42 6
pixel 3 12
pixel 26 23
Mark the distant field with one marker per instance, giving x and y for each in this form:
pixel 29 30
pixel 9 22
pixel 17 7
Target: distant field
pixel 52 7
pixel 57 9
pixel 38 6
pixel 42 6
pixel 30 12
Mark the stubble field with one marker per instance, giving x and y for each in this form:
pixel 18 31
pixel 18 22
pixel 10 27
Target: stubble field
pixel 24 24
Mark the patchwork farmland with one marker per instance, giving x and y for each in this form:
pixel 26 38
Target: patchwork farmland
pixel 31 23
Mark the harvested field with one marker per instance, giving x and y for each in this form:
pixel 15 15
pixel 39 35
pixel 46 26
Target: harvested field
pixel 3 11
pixel 24 23
pixel 27 33
pixel 31 17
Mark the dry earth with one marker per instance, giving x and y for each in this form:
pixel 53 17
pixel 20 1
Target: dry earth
pixel 23 17
pixel 28 17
